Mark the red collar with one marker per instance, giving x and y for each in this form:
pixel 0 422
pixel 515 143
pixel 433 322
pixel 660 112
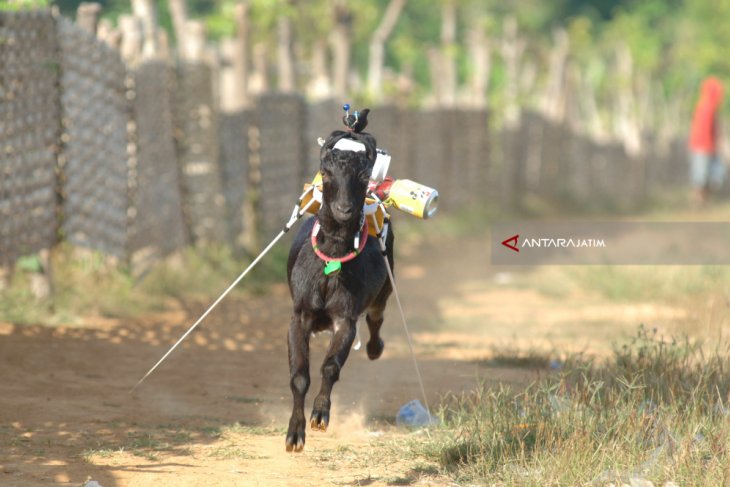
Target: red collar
pixel 348 257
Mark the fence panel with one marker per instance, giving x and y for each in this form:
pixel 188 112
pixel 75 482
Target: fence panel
pixel 196 127
pixel 473 181
pixel 156 213
pixel 556 160
pixel 281 119
pixel 677 164
pixel 234 162
pixel 29 131
pixel 322 118
pixel 392 128
pixel 95 114
pixel 513 168
pixel 579 180
pixel 429 149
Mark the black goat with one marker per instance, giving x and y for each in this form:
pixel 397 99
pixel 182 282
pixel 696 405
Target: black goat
pixel 335 301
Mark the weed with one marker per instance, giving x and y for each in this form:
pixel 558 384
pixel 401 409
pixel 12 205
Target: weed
pixel 90 454
pixel 656 408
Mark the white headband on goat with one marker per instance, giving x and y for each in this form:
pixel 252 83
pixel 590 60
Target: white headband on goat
pixel 349 144
pixel 382 159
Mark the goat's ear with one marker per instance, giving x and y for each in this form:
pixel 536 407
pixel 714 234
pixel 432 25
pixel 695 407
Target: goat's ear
pixel 324 153
pixel 371 146
pixel 329 144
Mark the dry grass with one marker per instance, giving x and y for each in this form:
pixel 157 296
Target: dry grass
pixel 88 283
pixel 656 410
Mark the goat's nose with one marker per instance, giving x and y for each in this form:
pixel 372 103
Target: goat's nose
pixel 345 209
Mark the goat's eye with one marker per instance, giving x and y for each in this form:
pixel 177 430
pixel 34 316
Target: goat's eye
pixel 326 176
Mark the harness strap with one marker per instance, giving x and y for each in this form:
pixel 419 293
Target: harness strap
pixel 334 264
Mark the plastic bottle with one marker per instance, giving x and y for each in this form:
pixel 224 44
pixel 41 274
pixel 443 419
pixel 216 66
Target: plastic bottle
pixel 414 414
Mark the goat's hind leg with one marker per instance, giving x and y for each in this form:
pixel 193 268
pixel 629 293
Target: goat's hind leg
pixel 374 318
pixel 344 335
pixel 298 340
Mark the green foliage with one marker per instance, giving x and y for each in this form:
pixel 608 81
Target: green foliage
pixel 674 42
pixel 111 8
pixel 23 4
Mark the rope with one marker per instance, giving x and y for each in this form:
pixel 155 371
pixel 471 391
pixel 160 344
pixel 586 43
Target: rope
pixel 405 327
pixel 296 214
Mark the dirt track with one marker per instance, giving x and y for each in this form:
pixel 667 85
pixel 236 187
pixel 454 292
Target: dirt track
pixel 215 413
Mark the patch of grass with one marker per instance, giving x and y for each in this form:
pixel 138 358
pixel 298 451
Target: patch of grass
pixel 211 431
pixel 625 283
pixel 405 480
pixel 650 283
pixel 90 454
pixel 87 283
pixel 530 359
pixel 206 271
pixel 238 428
pixel 147 443
pixel 230 452
pixel 656 409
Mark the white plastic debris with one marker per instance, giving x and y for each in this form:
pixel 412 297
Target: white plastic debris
pixel 414 414
pixel 92 483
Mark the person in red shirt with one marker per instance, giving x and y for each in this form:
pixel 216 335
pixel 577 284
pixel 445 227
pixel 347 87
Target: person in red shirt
pixel 707 171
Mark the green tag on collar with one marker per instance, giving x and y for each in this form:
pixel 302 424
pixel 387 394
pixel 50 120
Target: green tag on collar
pixel 332 267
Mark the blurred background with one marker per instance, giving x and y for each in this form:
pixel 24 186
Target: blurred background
pixel 136 128
pixel 150 149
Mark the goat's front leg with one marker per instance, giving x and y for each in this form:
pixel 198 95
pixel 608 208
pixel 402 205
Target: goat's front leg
pixel 344 335
pixel 299 332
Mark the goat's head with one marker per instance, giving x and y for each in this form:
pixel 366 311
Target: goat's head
pixel 345 177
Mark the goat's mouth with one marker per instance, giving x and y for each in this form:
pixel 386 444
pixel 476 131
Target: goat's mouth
pixel 343 218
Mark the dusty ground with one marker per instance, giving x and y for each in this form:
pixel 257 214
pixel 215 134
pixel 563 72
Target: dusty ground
pixel 215 412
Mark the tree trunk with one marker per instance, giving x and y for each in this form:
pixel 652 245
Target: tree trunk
pixel 512 49
pixel 320 85
pixel 480 55
pixel 259 81
pixel 179 14
pixel 589 107
pixel 106 32
pixel 376 61
pixel 146 11
pixel 284 54
pixel 240 57
pixel 553 102
pixel 87 16
pixel 435 71
pixel 448 54
pixel 132 39
pixel 626 125
pixel 341 46
pixel 194 48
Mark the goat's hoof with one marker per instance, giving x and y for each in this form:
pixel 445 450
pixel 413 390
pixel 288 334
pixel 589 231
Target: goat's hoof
pixel 295 442
pixel 320 420
pixel 375 349
pixel 296 434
